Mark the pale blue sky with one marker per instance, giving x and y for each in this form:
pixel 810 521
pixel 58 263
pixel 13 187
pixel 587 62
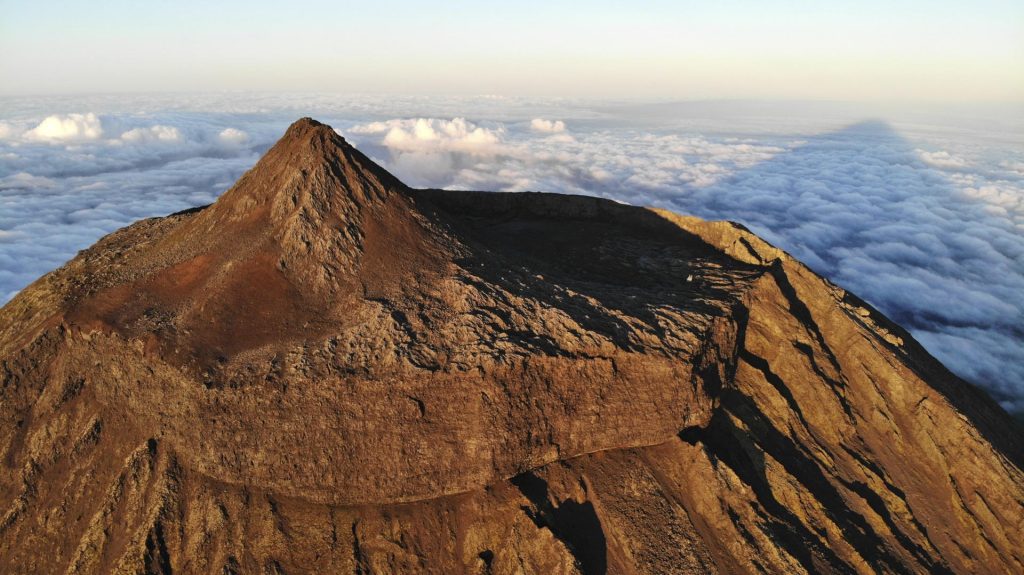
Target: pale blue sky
pixel 865 50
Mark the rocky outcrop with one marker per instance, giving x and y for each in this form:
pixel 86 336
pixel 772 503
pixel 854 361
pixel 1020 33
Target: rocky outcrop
pixel 327 371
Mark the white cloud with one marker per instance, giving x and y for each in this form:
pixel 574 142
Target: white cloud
pixel 941 159
pixel 432 135
pixel 68 127
pixel 6 131
pixel 547 126
pixel 158 134
pixel 460 154
pixel 1004 199
pixel 431 151
pixel 25 181
pixel 233 136
pixel 562 138
pixel 1016 167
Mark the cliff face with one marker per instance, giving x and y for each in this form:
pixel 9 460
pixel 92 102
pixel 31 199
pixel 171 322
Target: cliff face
pixel 326 371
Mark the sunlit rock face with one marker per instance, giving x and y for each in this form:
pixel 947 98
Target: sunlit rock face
pixel 327 371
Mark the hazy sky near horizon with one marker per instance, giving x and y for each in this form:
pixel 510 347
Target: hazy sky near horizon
pixel 788 49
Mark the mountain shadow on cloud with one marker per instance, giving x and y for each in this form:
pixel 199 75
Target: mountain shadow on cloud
pixel 859 206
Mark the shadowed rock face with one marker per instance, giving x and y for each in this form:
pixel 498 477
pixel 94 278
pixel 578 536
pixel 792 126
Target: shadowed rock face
pixel 326 371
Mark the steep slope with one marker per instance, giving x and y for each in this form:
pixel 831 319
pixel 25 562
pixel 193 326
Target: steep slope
pixel 327 371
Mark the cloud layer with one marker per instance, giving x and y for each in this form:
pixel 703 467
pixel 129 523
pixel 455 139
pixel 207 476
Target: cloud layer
pixel 68 179
pixel 924 219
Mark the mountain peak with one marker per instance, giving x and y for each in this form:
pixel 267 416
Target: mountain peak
pixel 291 234
pixel 306 123
pixel 311 170
pixel 307 201
pixel 317 135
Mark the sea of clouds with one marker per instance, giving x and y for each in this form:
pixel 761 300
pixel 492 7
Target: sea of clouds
pixel 920 212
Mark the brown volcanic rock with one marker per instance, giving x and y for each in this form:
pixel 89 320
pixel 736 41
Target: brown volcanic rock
pixel 326 371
